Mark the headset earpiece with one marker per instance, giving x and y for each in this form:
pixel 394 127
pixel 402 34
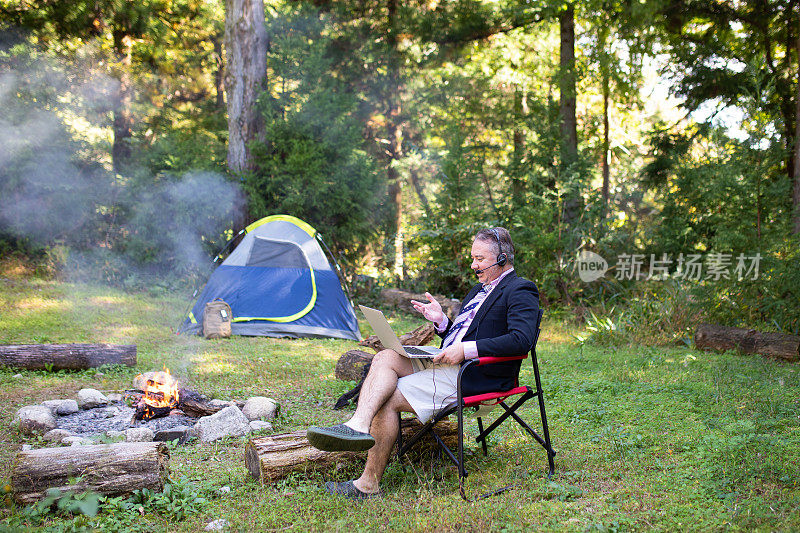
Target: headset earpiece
pixel 502 258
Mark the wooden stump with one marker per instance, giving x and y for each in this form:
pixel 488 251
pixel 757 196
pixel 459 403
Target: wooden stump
pixel 111 469
pixel 66 356
pixel 402 300
pixel 721 338
pixel 350 365
pixel 269 459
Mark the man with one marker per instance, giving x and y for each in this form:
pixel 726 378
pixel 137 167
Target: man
pixel 497 318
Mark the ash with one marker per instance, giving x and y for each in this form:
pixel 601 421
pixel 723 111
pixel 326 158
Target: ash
pixel 117 416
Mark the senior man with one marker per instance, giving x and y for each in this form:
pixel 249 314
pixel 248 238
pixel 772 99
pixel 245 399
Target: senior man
pixel 497 318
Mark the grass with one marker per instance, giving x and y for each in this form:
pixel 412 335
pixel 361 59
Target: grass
pixel 647 438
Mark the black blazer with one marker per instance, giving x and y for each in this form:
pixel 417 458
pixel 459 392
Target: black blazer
pixel 504 326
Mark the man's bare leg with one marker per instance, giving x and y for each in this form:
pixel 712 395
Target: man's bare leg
pixel 380 384
pixel 384 429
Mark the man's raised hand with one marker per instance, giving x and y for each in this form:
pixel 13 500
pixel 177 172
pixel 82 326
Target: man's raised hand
pixel 431 310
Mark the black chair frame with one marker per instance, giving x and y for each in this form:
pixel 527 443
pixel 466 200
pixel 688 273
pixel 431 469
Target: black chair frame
pixel 462 402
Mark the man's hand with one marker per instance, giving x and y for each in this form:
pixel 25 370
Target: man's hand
pixel 431 310
pixel 452 355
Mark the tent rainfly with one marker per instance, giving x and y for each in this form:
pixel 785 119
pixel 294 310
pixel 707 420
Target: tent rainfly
pixel 279 283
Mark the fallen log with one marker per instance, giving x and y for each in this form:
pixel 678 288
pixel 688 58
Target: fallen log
pixel 271 458
pixel 66 356
pixel 402 300
pixel 350 366
pixel 721 338
pixel 419 337
pixel 112 469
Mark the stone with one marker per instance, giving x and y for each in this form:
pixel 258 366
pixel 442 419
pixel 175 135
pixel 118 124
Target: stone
pixel 217 525
pixel 68 407
pixel 26 447
pixel 229 422
pixel 35 419
pixel 114 434
pixel 114 397
pixel 258 425
pixel 220 403
pixel 17 376
pixel 61 407
pixel 260 408
pixel 90 398
pixel 57 435
pixel 180 433
pixel 224 490
pixel 77 441
pixel 140 381
pixel 139 435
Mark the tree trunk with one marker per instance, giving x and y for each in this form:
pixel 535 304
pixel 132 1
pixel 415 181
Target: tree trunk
pixel 219 73
pixel 111 469
pixel 796 196
pixel 569 123
pixel 606 146
pixel 246 44
pixel 517 184
pixel 66 356
pixel 721 338
pixel 123 119
pixel 269 459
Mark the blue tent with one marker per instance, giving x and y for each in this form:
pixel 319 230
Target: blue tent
pixel 279 283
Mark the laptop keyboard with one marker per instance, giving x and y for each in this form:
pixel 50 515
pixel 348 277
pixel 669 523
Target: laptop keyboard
pixel 415 351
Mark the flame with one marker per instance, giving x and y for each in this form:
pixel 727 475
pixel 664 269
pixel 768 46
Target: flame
pixel 161 390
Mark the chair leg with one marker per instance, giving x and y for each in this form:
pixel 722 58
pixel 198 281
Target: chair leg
pixel 540 393
pixel 483 440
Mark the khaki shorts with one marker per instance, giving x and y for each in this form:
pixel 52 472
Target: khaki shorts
pixel 430 388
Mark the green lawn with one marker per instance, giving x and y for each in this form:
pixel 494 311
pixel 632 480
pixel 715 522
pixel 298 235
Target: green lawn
pixel 648 438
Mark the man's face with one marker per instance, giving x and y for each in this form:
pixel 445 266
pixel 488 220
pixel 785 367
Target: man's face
pixel 484 253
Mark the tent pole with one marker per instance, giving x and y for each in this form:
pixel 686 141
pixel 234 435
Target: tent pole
pixel 339 273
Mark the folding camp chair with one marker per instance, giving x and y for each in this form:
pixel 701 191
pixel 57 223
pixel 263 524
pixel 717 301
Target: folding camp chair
pixel 524 392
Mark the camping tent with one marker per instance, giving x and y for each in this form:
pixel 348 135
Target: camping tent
pixel 279 283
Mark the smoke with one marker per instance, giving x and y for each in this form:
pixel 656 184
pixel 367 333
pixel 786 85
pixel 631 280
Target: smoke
pixel 57 186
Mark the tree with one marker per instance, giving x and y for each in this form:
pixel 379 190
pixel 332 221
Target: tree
pixel 246 44
pixel 712 43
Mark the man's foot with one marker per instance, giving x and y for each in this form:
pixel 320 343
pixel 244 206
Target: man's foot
pixel 339 438
pixel 350 491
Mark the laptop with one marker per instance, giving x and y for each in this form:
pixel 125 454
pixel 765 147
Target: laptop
pixel 388 338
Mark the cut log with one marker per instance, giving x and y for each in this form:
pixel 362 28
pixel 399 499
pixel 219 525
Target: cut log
pixel 402 300
pixel 269 459
pixel 189 401
pixel 195 405
pixel 419 337
pixel 112 469
pixel 721 338
pixel 66 356
pixel 350 366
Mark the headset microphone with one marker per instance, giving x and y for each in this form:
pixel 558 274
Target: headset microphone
pixel 501 260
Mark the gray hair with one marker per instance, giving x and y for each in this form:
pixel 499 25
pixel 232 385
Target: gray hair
pixel 501 239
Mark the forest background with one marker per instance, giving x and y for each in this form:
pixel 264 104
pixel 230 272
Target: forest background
pixel 137 138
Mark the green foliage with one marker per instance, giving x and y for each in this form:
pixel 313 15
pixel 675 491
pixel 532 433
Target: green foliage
pixel 90 511
pixel 313 164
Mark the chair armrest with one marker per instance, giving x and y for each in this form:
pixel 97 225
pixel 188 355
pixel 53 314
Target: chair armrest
pixel 489 360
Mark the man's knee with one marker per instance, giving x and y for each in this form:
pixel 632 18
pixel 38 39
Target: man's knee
pixel 385 358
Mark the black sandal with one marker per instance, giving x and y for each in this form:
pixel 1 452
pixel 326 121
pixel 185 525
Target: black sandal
pixel 349 490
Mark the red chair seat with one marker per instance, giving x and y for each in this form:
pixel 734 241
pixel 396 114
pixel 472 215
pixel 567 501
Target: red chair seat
pixel 470 401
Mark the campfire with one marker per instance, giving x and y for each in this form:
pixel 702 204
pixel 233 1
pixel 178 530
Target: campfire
pixel 161 396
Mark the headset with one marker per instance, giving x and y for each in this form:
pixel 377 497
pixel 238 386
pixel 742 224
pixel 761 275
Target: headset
pixel 502 257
